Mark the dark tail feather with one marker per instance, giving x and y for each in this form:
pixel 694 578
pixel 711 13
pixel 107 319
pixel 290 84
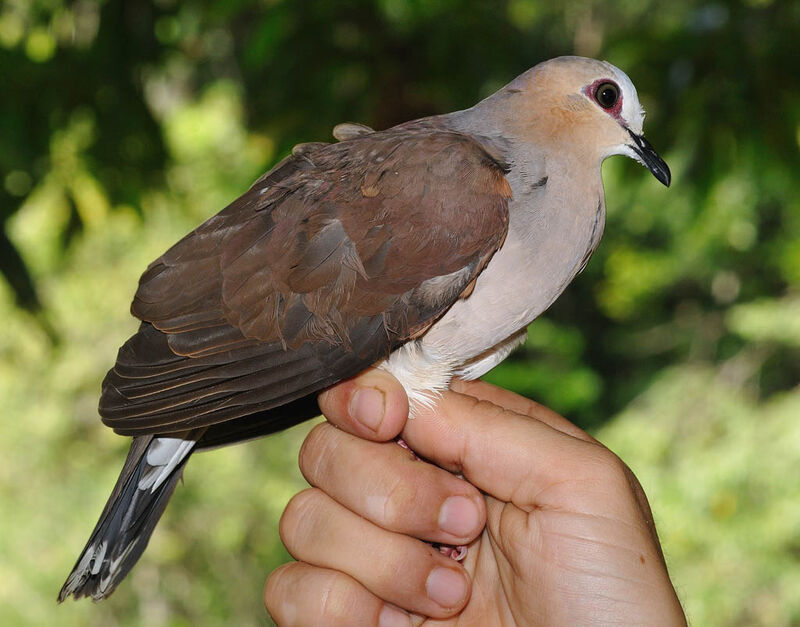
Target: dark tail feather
pixel 129 517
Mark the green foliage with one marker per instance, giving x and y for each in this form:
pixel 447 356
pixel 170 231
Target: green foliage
pixel 125 124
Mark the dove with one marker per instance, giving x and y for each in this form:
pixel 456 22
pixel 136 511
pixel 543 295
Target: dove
pixel 425 249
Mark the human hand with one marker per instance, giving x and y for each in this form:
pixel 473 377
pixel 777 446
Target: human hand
pixel 568 537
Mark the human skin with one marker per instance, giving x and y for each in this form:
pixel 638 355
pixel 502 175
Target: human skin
pixel 558 527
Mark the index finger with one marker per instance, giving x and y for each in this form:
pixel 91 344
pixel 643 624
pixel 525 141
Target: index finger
pixel 514 402
pixel 511 456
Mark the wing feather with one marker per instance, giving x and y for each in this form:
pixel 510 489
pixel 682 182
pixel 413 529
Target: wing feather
pixel 334 258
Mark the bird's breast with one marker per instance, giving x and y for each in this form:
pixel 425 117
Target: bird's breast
pixel 551 237
pixel 548 243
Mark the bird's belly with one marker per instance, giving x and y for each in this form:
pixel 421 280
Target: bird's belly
pixel 506 299
pixel 424 372
pixel 521 281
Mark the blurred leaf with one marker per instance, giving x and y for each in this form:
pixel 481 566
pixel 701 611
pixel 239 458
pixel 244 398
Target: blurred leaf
pixel 767 320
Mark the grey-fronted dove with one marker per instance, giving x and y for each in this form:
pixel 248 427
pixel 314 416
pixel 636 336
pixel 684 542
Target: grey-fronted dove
pixel 426 248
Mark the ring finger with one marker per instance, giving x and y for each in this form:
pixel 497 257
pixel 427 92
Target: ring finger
pixel 396 568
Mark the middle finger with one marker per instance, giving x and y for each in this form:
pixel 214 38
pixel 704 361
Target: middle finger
pixel 384 483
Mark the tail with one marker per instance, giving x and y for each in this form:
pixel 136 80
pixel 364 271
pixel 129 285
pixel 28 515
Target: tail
pixel 148 478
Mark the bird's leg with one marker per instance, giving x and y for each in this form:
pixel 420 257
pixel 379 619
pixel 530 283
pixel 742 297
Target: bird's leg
pixel 458 553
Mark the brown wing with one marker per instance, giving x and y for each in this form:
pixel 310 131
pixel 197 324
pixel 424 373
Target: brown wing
pixel 335 257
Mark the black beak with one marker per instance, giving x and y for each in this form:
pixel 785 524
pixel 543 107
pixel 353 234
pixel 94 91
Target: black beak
pixel 650 158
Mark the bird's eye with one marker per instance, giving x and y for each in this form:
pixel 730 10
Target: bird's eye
pixel 606 95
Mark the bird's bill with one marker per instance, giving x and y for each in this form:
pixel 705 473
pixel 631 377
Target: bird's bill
pixel 649 158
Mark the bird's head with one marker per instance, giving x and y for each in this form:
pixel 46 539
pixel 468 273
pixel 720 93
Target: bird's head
pixel 590 104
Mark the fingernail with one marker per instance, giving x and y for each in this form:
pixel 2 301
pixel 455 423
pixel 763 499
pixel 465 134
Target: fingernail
pixel 392 617
pixel 367 406
pixel 459 515
pixel 446 587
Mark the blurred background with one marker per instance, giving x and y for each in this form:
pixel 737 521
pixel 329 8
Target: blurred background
pixel 125 124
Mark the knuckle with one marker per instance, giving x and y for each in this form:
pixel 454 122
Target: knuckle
pixel 299 518
pixel 486 409
pixel 336 600
pixel 609 467
pixel 399 502
pixel 316 451
pixel 274 586
pixel 297 593
pixel 483 415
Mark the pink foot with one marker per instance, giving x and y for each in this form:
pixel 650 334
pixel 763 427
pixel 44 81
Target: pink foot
pixel 457 553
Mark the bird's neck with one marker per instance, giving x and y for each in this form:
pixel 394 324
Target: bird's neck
pixel 554 182
pixel 557 215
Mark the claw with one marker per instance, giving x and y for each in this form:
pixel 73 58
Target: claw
pixel 458 553
pixel 402 443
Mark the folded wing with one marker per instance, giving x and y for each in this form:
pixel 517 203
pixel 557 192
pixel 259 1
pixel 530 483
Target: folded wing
pixel 334 258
